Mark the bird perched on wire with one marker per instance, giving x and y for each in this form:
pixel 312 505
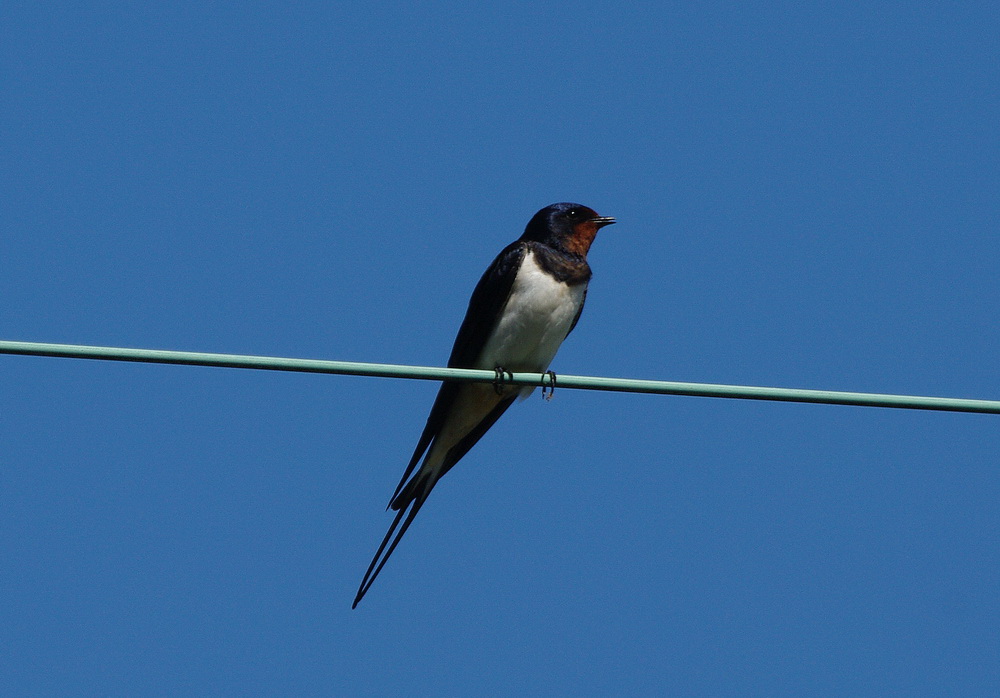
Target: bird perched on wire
pixel 524 306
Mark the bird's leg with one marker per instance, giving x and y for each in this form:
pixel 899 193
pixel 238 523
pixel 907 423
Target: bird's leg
pixel 502 376
pixel 550 386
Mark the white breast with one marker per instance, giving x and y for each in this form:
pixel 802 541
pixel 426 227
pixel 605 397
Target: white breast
pixel 534 323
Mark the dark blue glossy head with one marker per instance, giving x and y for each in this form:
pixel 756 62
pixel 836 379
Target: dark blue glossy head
pixel 567 226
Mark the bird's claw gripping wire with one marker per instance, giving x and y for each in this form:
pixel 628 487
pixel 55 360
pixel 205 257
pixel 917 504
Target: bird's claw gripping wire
pixel 500 381
pixel 549 388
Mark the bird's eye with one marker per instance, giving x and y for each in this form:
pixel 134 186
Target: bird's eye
pixel 573 213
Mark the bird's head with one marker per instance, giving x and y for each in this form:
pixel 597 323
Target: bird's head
pixel 567 226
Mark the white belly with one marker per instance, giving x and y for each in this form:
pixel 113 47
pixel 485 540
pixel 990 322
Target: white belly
pixel 537 318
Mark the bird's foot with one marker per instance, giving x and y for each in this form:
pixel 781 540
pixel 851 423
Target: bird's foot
pixel 500 381
pixel 549 388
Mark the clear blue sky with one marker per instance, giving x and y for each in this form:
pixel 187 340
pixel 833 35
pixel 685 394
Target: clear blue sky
pixel 807 196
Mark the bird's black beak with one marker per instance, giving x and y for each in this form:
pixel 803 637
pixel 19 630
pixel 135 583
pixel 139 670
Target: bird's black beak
pixel 602 221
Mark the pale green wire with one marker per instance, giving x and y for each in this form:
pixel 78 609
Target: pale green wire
pixel 627 385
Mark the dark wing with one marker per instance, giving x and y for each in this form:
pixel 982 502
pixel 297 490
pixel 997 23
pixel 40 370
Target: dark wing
pixel 487 302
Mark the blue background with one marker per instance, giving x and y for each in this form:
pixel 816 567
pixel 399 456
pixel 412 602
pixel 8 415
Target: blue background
pixel 807 196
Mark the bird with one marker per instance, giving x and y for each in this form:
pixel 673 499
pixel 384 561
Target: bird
pixel 524 306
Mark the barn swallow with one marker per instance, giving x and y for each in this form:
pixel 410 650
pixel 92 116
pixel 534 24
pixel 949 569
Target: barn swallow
pixel 524 306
